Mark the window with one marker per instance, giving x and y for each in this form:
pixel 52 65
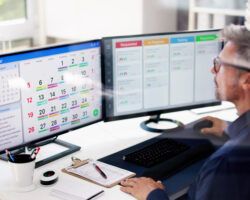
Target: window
pixel 222 4
pixel 12 10
pixel 204 14
pixel 16 22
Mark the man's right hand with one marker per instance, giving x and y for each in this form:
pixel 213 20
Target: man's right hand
pixel 140 188
pixel 217 129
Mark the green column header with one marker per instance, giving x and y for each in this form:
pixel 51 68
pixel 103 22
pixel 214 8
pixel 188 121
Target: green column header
pixel 204 38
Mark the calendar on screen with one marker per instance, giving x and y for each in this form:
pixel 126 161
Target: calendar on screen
pixel 47 91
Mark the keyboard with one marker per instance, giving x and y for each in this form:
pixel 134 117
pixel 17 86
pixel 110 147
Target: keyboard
pixel 157 152
pixel 172 155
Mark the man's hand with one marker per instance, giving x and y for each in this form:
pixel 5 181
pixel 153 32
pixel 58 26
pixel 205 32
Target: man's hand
pixel 217 129
pixel 140 187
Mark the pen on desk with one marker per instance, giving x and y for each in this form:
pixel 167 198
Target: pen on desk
pixel 100 171
pixel 93 196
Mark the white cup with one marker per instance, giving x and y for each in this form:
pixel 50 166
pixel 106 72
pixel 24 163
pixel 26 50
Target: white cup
pixel 23 168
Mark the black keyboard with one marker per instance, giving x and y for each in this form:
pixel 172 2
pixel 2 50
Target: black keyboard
pixel 175 155
pixel 157 152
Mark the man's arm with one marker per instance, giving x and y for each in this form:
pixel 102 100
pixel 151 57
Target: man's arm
pixel 158 194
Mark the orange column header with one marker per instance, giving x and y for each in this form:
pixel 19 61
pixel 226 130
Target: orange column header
pixel 156 41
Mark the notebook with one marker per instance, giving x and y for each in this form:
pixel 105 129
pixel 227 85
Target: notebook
pixel 75 191
pixel 86 170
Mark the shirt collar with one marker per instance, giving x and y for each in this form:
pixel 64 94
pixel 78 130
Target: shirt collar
pixel 239 124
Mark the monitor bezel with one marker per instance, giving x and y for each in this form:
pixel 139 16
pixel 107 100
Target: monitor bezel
pixel 155 112
pixel 31 143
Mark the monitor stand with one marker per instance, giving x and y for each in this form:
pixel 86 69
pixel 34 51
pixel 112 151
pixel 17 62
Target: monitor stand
pixel 155 119
pixel 54 148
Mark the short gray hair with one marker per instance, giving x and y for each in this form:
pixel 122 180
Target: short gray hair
pixel 240 36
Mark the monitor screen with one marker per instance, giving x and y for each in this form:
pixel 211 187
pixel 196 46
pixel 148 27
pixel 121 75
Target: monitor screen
pixel 156 73
pixel 47 92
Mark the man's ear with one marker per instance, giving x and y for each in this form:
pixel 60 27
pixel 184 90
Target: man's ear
pixel 246 81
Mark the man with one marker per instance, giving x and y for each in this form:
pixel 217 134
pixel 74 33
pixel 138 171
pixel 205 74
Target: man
pixel 226 174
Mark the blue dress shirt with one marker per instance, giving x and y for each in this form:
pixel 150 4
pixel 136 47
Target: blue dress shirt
pixel 226 173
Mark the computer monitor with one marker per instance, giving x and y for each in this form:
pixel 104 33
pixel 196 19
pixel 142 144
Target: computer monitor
pixel 49 91
pixel 157 73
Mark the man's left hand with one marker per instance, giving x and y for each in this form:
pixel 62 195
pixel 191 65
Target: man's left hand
pixel 140 187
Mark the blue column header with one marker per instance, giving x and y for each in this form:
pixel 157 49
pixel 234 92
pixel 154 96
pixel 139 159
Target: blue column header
pixel 15 57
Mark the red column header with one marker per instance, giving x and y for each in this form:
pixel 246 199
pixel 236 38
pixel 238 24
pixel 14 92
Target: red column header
pixel 128 44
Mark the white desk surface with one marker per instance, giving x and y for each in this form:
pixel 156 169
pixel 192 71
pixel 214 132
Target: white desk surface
pixel 97 140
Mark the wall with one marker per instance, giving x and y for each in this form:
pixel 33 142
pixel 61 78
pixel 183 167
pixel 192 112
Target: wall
pixel 88 19
pixel 159 16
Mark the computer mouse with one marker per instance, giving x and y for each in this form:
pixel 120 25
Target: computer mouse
pixel 202 124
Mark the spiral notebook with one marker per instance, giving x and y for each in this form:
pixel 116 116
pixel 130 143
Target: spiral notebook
pixel 86 170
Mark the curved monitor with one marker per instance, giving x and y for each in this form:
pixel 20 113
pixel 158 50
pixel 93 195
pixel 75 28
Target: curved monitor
pixel 49 91
pixel 156 73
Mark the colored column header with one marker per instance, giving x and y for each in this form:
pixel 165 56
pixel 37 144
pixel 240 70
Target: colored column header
pixel 48 52
pixel 128 44
pixel 182 40
pixel 204 38
pixel 156 41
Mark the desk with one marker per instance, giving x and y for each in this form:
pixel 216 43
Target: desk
pixel 97 141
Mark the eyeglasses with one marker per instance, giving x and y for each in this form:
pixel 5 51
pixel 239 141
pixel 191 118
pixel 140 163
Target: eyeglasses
pixel 218 62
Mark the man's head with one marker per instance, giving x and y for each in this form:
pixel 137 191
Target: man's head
pixel 232 67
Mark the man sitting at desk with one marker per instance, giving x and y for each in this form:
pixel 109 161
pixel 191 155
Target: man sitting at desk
pixel 226 174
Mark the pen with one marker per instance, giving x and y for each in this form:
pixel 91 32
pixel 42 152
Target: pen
pixel 100 171
pixel 93 196
pixel 9 155
pixel 35 151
